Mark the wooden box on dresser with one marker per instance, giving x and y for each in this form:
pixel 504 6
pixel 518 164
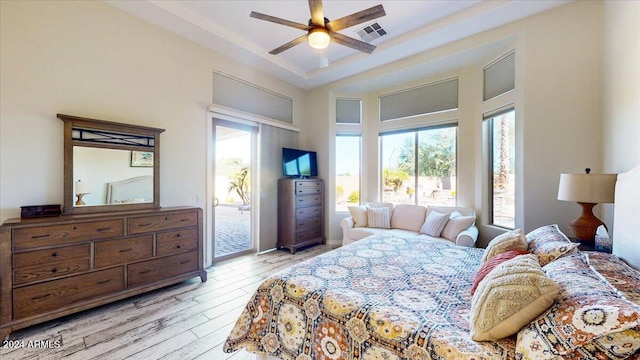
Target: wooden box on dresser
pixel 51 267
pixel 300 213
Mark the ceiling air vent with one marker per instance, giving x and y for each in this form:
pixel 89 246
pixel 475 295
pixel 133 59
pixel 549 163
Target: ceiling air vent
pixel 371 32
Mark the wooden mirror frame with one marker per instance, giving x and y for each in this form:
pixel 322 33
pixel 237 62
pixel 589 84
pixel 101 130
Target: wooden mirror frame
pixel 76 122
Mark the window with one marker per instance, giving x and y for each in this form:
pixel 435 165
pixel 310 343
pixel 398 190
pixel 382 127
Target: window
pixel 419 166
pixel 501 163
pixel 347 171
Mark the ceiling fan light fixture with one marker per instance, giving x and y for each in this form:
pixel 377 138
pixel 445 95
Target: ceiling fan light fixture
pixel 319 38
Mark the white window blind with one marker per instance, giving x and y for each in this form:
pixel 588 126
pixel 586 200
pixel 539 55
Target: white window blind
pixel 243 96
pixel 500 76
pixel 421 100
pixel 348 111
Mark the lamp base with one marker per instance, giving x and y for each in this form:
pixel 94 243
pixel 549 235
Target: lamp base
pixel 80 202
pixel 584 227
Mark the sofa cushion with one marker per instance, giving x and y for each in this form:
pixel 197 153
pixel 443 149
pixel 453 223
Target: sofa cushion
pixel 433 238
pixel 359 215
pixel 434 224
pixel 456 224
pixel 363 232
pixel 379 218
pixel 401 233
pixel 408 217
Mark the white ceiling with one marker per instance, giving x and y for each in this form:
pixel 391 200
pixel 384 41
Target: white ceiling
pixel 413 27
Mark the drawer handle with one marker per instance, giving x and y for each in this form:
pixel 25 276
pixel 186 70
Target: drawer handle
pixel 125 250
pixel 144 224
pixel 103 282
pixel 40 236
pixel 185 262
pixel 40 297
pixel 184 219
pixel 178 247
pixel 145 271
pixel 55 254
pixel 178 235
pixel 54 270
pixel 104 229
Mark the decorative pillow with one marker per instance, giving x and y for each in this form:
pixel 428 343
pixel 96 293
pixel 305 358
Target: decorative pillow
pixel 510 240
pixel 389 206
pixel 359 215
pixel 588 321
pixel 408 217
pixel 434 224
pixel 456 224
pixel 379 218
pixel 491 264
pixel 549 243
pixel 509 297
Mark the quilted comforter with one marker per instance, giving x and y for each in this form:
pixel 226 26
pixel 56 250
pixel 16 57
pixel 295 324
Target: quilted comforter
pixel 380 298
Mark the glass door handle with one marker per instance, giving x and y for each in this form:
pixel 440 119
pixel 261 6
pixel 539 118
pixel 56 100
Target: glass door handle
pixel 215 202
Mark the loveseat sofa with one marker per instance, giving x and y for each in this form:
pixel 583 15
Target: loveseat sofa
pixel 412 221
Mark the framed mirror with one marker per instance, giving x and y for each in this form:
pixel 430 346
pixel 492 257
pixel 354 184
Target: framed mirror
pixel 109 166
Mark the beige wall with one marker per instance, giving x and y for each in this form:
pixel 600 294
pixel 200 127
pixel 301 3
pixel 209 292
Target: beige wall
pixel 89 59
pixel 558 107
pixel 621 89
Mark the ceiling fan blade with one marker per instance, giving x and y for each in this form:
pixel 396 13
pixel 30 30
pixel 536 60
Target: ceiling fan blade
pixel 289 45
pixel 357 18
pixel 352 43
pixel 317 13
pixel 280 21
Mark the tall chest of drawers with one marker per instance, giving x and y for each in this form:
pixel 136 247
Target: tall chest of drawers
pixel 51 267
pixel 300 213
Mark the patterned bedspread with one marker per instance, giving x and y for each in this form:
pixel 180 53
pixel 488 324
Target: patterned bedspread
pixel 382 297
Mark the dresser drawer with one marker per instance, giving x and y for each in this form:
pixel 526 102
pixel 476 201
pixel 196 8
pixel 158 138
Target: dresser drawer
pixel 162 268
pixel 308 187
pixel 162 222
pixel 43 272
pixel 50 256
pixel 28 238
pixel 175 242
pixel 44 297
pixel 308 200
pixel 120 251
pixel 307 212
pixel 308 223
pixel 305 235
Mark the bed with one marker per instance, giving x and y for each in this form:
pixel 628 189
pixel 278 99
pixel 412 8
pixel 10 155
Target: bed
pixel 134 190
pixel 387 297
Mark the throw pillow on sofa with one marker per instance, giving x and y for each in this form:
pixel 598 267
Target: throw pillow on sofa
pixel 434 224
pixel 379 218
pixel 456 224
pixel 359 215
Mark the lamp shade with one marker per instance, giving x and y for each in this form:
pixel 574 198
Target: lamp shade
pixel 83 187
pixel 587 188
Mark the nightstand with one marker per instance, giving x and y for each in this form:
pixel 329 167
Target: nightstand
pixel 586 247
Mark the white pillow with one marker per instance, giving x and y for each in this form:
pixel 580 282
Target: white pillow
pixel 379 218
pixel 359 215
pixel 434 224
pixel 456 224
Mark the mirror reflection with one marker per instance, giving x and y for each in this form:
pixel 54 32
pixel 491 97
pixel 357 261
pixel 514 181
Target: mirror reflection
pixel 103 176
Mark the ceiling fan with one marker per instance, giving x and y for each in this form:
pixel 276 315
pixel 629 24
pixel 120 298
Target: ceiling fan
pixel 320 31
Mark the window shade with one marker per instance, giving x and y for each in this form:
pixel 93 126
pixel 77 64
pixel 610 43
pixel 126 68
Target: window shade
pixel 243 96
pixel 500 76
pixel 348 111
pixel 422 100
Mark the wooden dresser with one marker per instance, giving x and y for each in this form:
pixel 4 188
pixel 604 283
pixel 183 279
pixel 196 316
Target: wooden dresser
pixel 51 267
pixel 300 213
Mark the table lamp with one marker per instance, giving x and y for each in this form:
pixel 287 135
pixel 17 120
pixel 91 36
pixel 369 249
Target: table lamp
pixel 82 188
pixel 588 190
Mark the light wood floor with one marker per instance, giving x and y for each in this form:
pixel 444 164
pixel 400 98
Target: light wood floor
pixel 190 320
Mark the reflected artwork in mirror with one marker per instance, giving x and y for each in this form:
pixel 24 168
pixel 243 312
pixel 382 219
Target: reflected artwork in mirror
pixel 110 166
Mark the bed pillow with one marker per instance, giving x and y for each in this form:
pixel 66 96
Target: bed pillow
pixel 359 215
pixel 509 297
pixel 434 224
pixel 590 320
pixel 457 223
pixel 491 264
pixel 510 240
pixel 549 243
pixel 378 218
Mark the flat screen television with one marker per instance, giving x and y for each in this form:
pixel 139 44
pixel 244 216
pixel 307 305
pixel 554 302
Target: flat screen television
pixel 299 163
